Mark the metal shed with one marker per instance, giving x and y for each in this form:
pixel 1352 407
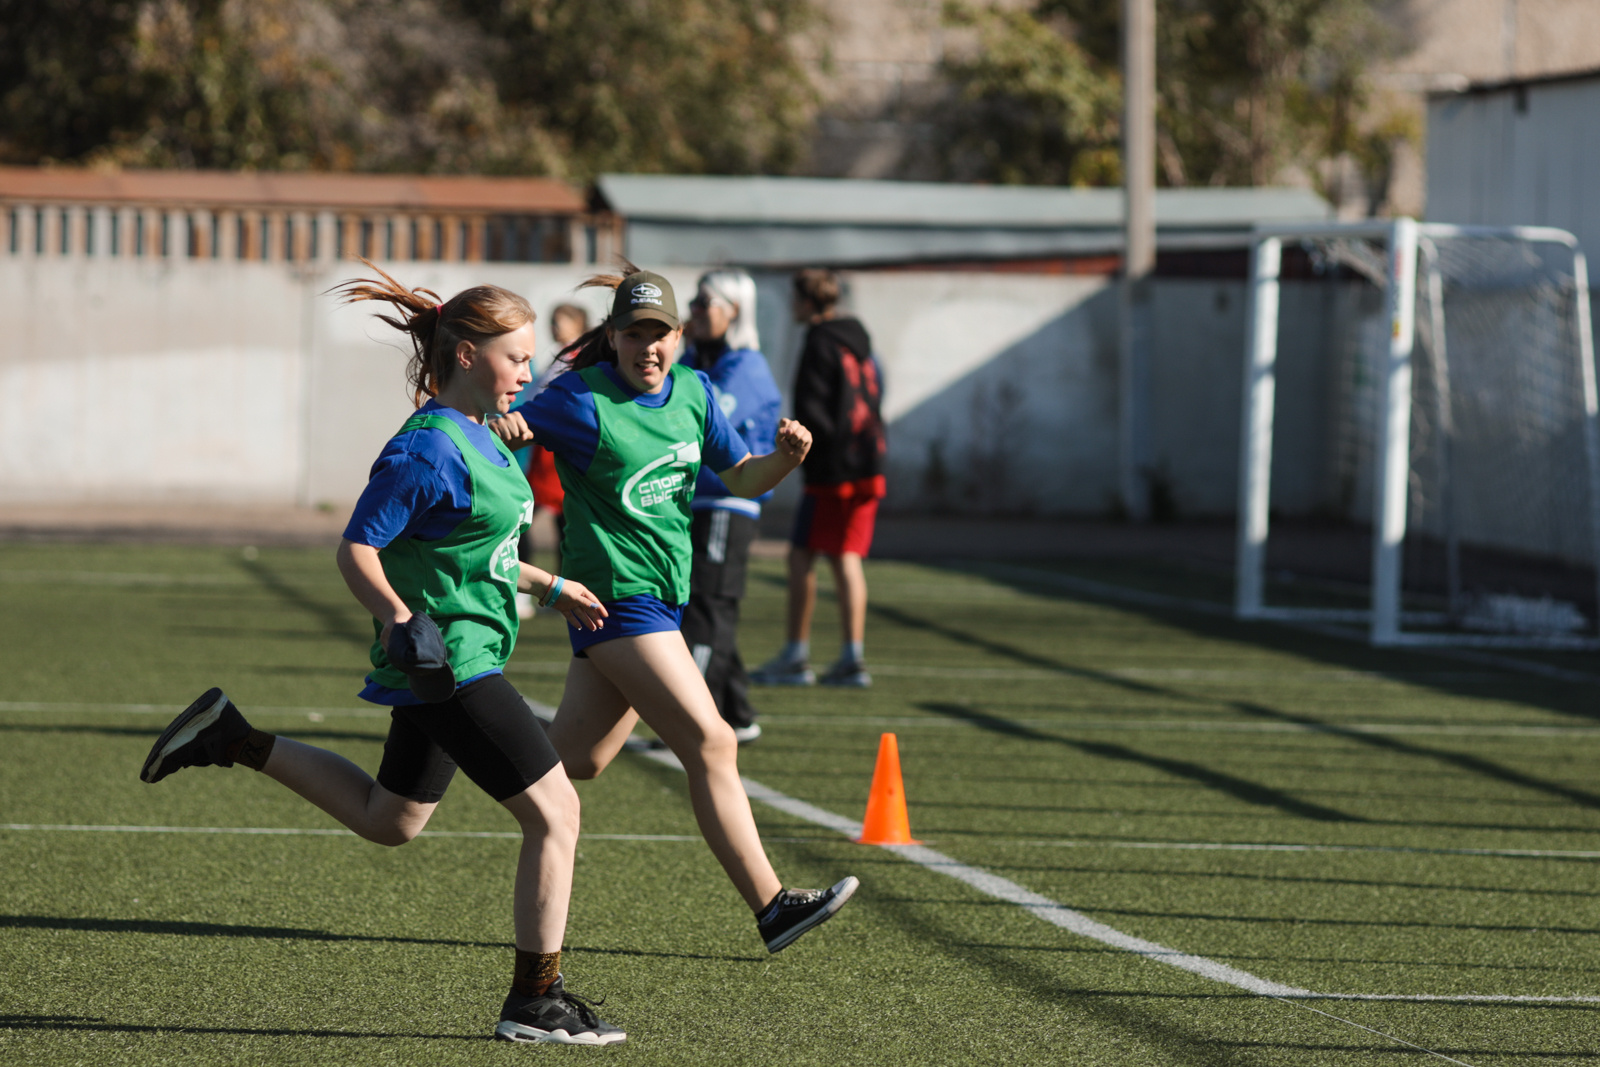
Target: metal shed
pixel 781 222
pixel 1521 152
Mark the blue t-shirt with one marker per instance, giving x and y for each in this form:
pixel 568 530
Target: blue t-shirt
pixel 418 488
pixel 742 387
pixel 563 419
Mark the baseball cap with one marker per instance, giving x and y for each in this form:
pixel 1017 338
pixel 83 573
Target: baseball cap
pixel 417 647
pixel 644 295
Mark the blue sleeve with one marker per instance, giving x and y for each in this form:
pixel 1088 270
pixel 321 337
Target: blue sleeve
pixel 419 487
pixel 563 419
pixel 723 447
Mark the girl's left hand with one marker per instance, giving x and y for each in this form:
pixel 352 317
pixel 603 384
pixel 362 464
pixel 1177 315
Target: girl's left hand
pixel 794 440
pixel 580 607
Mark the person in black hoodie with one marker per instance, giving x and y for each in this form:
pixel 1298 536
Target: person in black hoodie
pixel 837 394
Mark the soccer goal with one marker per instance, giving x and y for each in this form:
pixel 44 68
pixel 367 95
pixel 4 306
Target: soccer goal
pixel 1443 392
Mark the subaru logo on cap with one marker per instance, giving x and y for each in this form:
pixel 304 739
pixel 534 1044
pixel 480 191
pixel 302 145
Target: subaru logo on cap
pixel 645 293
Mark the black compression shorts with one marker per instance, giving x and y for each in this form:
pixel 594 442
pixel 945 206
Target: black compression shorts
pixel 485 728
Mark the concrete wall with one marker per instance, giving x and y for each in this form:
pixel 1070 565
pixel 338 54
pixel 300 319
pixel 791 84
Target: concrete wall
pixel 180 380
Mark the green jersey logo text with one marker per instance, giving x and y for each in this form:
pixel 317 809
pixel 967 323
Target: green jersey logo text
pixel 653 488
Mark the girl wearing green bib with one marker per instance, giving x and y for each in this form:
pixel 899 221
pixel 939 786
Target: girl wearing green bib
pixel 630 432
pixel 431 552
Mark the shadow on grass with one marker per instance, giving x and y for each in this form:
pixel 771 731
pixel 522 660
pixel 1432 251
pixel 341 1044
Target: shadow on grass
pixel 1238 788
pixel 97 1024
pixel 1266 636
pixel 336 622
pixel 290 933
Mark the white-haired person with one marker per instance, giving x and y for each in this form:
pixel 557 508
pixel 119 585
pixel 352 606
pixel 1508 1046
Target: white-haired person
pixel 631 429
pixel 724 345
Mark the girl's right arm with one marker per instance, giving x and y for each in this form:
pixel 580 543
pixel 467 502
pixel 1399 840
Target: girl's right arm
pixel 363 573
pixel 513 429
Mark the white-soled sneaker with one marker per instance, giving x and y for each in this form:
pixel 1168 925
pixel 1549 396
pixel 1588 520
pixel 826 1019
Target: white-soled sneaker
pixel 746 734
pixel 555 1017
pixel 798 910
pixel 781 671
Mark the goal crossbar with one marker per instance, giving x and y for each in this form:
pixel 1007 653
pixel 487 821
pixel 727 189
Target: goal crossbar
pixel 1403 239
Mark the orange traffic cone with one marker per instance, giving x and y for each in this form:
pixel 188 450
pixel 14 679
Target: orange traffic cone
pixel 886 822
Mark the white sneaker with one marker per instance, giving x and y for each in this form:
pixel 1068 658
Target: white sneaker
pixel 746 734
pixel 780 671
pixel 525 605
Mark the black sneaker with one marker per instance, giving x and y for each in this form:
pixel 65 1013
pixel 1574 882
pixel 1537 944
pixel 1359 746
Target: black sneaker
pixel 199 737
pixel 798 910
pixel 555 1017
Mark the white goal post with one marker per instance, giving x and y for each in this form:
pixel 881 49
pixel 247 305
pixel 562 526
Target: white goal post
pixel 1412 253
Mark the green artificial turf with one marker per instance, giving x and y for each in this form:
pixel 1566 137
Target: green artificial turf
pixel 1082 747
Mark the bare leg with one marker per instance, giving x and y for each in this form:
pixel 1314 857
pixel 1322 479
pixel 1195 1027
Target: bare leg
pixel 347 792
pixel 802 593
pixel 548 813
pixel 593 721
pixel 850 585
pixel 657 676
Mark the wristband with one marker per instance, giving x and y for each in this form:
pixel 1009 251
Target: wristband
pixel 553 592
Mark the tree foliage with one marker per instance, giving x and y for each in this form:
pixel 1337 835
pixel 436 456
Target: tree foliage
pixel 561 87
pixel 1248 91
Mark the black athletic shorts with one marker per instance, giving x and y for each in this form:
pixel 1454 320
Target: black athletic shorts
pixel 485 728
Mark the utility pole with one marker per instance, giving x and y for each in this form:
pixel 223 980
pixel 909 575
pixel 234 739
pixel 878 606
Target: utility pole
pixel 1139 251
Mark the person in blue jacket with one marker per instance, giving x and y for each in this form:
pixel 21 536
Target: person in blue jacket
pixel 724 344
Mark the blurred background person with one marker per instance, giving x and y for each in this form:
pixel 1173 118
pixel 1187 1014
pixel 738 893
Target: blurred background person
pixel 568 322
pixel 837 395
pixel 723 343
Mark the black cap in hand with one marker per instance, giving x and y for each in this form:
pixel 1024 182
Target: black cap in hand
pixel 417 647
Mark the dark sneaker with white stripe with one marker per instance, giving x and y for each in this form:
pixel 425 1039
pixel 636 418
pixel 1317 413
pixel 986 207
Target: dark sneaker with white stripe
pixel 555 1017
pixel 798 910
pixel 199 737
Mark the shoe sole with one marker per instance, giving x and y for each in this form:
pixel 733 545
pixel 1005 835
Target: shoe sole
pixel 788 679
pixel 846 683
pixel 510 1031
pixel 182 730
pixel 842 892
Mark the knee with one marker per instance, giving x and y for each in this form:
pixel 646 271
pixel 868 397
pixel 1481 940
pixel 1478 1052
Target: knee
pixel 582 768
pixel 559 814
pixel 393 835
pixel 717 747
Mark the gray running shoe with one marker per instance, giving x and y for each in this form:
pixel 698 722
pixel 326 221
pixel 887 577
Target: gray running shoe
pixel 198 737
pixel 555 1017
pixel 780 671
pixel 847 674
pixel 798 910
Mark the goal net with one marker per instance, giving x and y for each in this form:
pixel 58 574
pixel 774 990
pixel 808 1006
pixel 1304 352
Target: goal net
pixel 1438 387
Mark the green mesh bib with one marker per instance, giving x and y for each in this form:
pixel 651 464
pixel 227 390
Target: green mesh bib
pixel 466 581
pixel 628 515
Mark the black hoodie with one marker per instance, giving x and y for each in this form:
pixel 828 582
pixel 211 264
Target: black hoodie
pixel 837 391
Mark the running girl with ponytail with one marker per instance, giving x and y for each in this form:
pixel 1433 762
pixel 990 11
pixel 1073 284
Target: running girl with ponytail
pixel 431 552
pixel 630 432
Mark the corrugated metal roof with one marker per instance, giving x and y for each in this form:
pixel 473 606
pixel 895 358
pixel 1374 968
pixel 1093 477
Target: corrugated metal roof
pixel 835 201
pixel 399 192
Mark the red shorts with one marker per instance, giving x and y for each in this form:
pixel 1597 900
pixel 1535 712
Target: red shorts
pixel 834 520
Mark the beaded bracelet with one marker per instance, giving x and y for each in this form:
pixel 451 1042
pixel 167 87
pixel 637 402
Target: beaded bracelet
pixel 553 592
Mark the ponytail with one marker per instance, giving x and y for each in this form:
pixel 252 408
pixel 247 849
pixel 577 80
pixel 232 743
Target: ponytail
pixel 595 346
pixel 437 326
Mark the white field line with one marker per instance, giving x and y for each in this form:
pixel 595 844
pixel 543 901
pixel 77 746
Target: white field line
pixel 1231 846
pixel 119 578
pixel 1076 922
pixel 296 831
pixel 1107 591
pixel 319 714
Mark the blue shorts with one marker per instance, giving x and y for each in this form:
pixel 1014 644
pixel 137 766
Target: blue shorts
pixel 629 617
